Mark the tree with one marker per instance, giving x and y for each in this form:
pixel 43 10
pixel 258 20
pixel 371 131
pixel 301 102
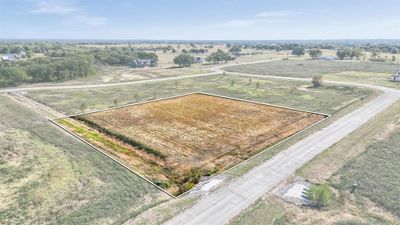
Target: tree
pixel 4 49
pixel 319 195
pixel 315 53
pixel 12 76
pixel 184 60
pixel 393 59
pixel 219 56
pixel 316 81
pixel 394 50
pixel 342 53
pixel 298 51
pixel 184 51
pixel 375 52
pixel 258 84
pixel 115 101
pixel 235 49
pixel 355 52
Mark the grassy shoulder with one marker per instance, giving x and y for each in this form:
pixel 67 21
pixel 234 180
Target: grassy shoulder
pixel 367 157
pixel 328 99
pixel 50 177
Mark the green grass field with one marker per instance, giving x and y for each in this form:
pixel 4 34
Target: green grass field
pixel 376 171
pixel 49 177
pixel 296 94
pixel 309 68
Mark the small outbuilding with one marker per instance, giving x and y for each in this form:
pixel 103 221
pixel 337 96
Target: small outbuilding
pixel 396 76
pixel 326 58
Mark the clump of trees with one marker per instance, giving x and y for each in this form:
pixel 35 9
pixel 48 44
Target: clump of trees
pixel 319 195
pixel 298 51
pixel 198 50
pixel 349 53
pixel 184 60
pixel 315 53
pixel 122 56
pixel 235 49
pixel 219 56
pixel 47 70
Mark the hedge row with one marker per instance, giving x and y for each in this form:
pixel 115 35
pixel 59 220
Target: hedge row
pixel 121 137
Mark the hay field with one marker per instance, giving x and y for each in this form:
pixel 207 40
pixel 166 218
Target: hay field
pixel 176 141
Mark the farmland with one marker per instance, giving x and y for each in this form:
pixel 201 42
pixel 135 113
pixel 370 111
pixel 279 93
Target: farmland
pixel 179 141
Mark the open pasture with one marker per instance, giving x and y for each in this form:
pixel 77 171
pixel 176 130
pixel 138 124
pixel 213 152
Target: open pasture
pixel 309 68
pixel 175 142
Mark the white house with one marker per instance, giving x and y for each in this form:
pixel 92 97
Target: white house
pixel 8 58
pixel 396 76
pixel 144 62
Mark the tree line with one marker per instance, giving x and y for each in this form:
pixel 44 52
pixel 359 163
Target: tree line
pixel 125 56
pixel 47 70
pixel 186 60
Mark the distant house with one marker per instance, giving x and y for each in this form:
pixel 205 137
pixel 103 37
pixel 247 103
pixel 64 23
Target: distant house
pixel 326 58
pixel 144 62
pixel 198 60
pixel 9 58
pixel 396 76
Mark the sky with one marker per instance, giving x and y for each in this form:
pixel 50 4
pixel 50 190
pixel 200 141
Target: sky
pixel 200 19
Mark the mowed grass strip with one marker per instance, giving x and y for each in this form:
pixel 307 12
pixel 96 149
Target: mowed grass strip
pixel 196 134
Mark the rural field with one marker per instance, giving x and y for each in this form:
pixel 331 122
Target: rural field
pixel 182 139
pixel 309 68
pixel 48 177
pixel 295 94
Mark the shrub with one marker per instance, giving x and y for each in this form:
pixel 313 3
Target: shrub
pixel 316 81
pixel 319 195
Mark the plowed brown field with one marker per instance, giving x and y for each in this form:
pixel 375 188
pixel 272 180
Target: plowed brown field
pixel 191 136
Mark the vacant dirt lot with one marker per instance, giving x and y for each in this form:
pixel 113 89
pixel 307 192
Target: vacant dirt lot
pixel 188 137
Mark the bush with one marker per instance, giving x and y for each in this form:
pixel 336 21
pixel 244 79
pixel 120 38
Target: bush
pixel 316 81
pixel 319 195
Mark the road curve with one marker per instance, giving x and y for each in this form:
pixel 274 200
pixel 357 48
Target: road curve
pixel 220 206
